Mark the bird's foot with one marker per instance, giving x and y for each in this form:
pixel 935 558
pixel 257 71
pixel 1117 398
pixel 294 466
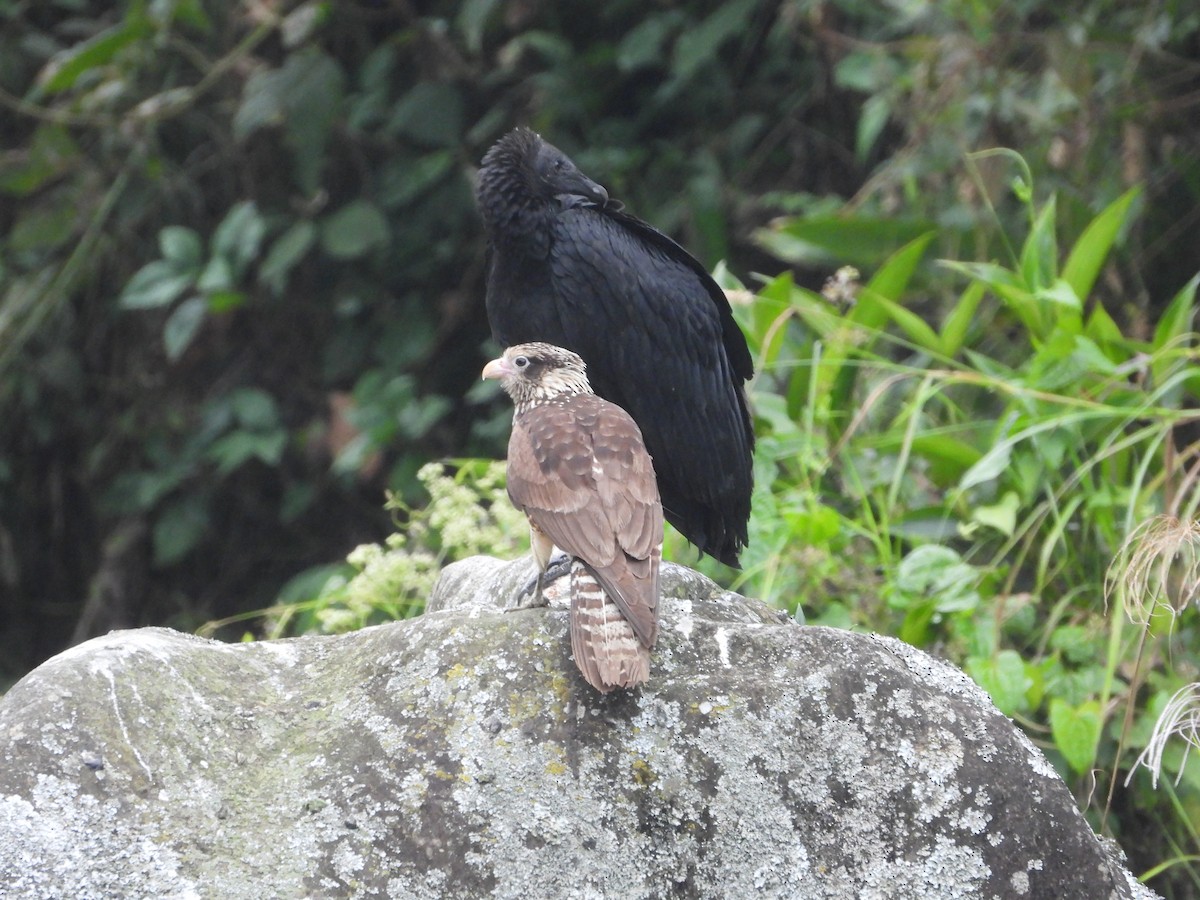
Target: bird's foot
pixel 532 594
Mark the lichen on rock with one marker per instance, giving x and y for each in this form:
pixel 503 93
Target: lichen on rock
pixel 460 754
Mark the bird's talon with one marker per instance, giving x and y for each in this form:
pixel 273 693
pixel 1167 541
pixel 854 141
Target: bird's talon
pixel 534 587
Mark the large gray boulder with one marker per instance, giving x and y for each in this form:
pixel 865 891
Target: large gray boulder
pixel 461 755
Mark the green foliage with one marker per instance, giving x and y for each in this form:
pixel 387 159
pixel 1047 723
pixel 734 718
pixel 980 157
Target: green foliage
pixel 467 513
pixel 241 282
pixel 986 466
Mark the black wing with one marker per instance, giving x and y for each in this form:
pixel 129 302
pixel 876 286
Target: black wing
pixel 660 341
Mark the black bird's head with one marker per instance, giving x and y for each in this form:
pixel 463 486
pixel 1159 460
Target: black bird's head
pixel 523 172
pixel 557 176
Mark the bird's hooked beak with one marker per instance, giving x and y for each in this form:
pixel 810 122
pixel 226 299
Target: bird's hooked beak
pixel 579 190
pixel 497 368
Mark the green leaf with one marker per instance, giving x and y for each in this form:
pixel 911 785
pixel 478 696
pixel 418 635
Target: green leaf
pixel 153 285
pixel 949 457
pixel 1001 516
pixel 66 66
pixel 1004 677
pixel 178 530
pixel 1176 319
pixel 1076 731
pixel 237 447
pixel 181 247
pixel 432 114
pixel 182 326
pixel 217 276
pixel 910 323
pixel 354 230
pixel 937 575
pixel 643 45
pixel 288 249
pixel 472 19
pixel 239 236
pixel 954 328
pixel 1087 256
pixel 1039 256
pixel 830 240
pixel 990 467
pixel 305 96
pixel 44 226
pixel 254 408
pixel 893 276
pixel 698 46
pixel 50 154
pixel 403 180
pixel 875 113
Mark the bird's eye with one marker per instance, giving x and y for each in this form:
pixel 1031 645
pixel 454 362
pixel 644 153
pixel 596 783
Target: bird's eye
pixel 559 165
pixel 521 362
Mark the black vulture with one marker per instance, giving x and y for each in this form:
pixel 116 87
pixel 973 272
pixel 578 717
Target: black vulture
pixel 568 267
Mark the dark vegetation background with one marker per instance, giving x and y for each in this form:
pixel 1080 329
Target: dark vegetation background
pixel 241 273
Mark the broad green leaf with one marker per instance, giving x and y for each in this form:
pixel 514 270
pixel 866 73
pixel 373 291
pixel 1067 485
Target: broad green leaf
pixel 831 240
pixel 217 276
pixel 948 457
pixel 304 96
pixel 1004 677
pixel 698 45
pixel 65 67
pixel 431 113
pixel 954 329
pixel 931 524
pixel 51 153
pixel 181 247
pixel 153 285
pixel 354 230
pixel 239 236
pixel 1087 256
pixel 875 113
pixel 182 326
pixel 1001 516
pixel 44 226
pixel 254 408
pixel 1060 293
pixel 643 45
pixel 287 250
pixel 404 180
pixel 1076 731
pixel 991 466
pixel 178 529
pixel 1078 643
pixel 865 71
pixel 937 575
pixel 238 447
pixel 472 19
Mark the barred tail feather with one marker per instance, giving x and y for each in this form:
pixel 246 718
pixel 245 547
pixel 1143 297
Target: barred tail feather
pixel 606 649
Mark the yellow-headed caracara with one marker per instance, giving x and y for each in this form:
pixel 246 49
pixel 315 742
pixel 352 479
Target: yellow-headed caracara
pixel 579 470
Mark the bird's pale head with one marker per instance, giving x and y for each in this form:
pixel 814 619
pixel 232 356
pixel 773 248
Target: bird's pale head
pixel 534 373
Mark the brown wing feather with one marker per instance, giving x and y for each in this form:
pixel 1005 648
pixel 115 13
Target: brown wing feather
pixel 580 471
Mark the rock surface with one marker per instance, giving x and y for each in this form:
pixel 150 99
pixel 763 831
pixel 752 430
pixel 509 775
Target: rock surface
pixel 461 755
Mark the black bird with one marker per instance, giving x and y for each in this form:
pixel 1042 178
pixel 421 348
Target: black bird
pixel 568 267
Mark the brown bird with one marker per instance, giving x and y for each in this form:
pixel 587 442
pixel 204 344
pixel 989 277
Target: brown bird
pixel 579 470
